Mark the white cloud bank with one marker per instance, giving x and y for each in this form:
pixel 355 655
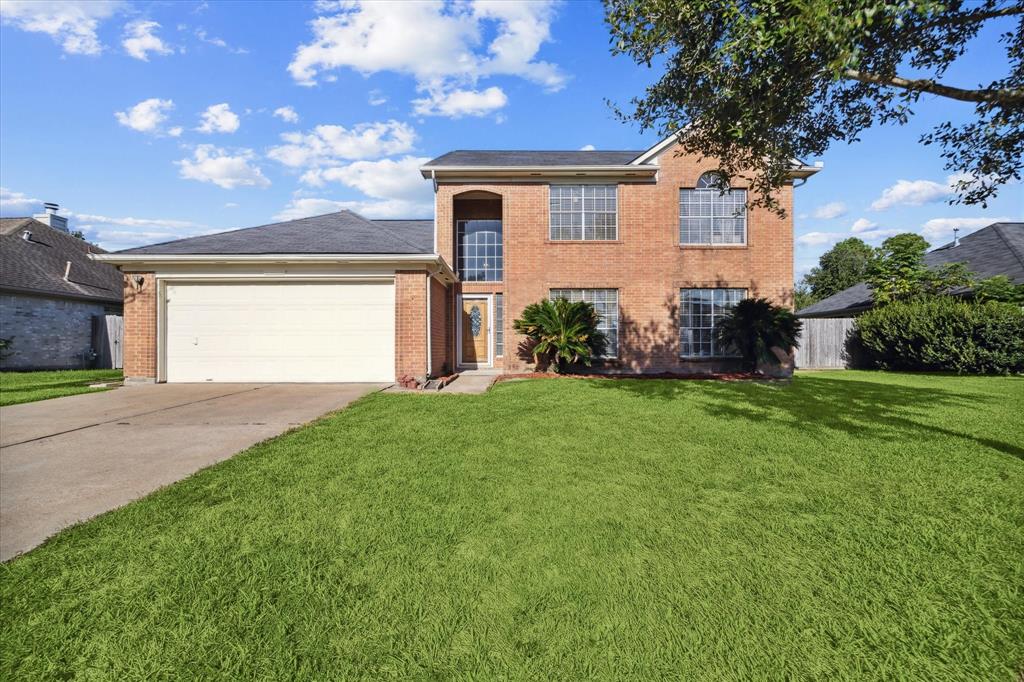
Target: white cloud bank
pixel 919 192
pixel 287 114
pixel 396 208
pixel 18 204
pixel 329 144
pixel 459 103
pixel 940 230
pixel 148 116
pixel 71 23
pixel 222 168
pixel 218 118
pixel 834 209
pixel 439 44
pixel 140 39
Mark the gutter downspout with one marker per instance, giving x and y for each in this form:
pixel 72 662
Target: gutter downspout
pixel 430 355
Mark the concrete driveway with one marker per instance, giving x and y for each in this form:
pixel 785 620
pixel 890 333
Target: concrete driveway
pixel 68 459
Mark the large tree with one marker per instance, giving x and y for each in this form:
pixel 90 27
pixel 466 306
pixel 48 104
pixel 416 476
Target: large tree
pixel 842 266
pixel 758 83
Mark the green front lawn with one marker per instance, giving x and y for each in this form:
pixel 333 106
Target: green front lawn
pixel 848 525
pixel 27 387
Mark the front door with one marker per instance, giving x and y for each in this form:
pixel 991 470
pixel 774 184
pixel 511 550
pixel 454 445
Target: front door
pixel 476 332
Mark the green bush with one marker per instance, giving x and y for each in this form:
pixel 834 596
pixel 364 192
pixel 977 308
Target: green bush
pixel 943 334
pixel 562 333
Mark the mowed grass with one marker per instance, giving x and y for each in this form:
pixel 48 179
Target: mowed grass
pixel 845 526
pixel 27 387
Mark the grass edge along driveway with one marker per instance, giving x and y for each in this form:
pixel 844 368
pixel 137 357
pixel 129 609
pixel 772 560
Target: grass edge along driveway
pixel 848 525
pixel 27 387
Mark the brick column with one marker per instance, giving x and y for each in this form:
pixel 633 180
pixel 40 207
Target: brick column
pixel 411 323
pixel 140 326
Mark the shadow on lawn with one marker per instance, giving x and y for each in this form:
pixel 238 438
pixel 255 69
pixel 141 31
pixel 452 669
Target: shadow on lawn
pixel 816 403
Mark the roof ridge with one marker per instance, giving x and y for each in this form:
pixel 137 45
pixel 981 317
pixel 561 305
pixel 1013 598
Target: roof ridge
pixel 394 234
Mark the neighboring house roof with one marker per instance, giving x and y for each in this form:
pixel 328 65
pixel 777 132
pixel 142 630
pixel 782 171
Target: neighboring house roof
pixel 994 250
pixel 343 232
pixel 534 158
pixel 37 265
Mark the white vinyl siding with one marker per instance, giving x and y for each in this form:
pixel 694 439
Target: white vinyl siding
pixel 606 304
pixel 583 212
pixel 699 311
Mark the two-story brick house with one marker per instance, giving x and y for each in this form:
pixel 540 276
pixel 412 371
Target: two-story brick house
pixel 647 236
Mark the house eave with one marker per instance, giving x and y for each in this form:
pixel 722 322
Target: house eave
pixel 142 260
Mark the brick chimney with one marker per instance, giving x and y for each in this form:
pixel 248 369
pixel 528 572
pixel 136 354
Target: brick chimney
pixel 50 217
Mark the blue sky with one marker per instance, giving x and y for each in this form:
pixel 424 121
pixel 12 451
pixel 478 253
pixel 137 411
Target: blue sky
pixel 150 121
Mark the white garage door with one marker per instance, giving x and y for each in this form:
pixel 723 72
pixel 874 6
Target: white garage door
pixel 276 331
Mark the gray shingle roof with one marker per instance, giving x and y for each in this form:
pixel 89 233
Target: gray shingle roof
pixel 343 232
pixel 38 265
pixel 994 250
pixel 495 157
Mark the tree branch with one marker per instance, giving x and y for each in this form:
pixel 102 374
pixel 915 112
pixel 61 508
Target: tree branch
pixel 1010 97
pixel 975 17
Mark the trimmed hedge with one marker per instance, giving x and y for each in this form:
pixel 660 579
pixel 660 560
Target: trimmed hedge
pixel 942 334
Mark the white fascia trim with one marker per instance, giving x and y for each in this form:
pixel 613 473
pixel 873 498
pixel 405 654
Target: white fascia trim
pixel 656 150
pixel 425 259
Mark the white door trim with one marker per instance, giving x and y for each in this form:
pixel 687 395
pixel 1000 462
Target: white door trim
pixel 490 330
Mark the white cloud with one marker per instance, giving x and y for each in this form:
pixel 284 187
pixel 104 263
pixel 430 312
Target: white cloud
pixel 830 210
pixel 18 204
pixel 587 148
pixel 147 116
pixel 287 114
pixel 72 23
pixel 442 45
pixel 307 206
pixel 862 225
pixel 820 238
pixel 377 98
pixel 938 230
pixel 918 192
pixel 205 37
pixel 140 39
pixel 216 165
pixel 231 204
pixel 383 179
pixel 218 118
pixel 459 103
pixel 327 144
pixel 176 131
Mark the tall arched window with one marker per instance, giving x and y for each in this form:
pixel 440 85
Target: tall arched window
pixel 710 213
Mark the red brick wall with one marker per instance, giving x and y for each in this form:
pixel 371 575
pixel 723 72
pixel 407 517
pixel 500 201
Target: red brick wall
pixel 440 328
pixel 646 264
pixel 140 326
pixel 410 323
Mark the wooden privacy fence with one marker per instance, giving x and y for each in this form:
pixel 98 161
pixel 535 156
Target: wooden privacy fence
pixel 823 343
pixel 108 341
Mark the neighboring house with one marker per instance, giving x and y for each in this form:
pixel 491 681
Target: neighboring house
pixel 994 250
pixel 646 236
pixel 50 290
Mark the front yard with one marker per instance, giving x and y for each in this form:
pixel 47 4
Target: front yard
pixel 848 525
pixel 27 387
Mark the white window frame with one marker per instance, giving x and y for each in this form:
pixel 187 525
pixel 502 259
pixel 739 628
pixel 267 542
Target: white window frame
pixel 459 256
pixel 582 211
pixel 714 351
pixel 618 311
pixel 716 194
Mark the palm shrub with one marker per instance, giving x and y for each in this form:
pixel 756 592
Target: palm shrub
pixel 563 333
pixel 754 326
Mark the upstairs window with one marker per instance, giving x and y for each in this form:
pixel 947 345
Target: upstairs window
pixel 481 258
pixel 711 214
pixel 584 213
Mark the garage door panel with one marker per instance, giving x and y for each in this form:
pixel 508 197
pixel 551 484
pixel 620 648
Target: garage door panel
pixel 260 331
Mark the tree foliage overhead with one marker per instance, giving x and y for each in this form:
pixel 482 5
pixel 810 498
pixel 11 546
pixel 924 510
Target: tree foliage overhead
pixel 842 266
pixel 758 83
